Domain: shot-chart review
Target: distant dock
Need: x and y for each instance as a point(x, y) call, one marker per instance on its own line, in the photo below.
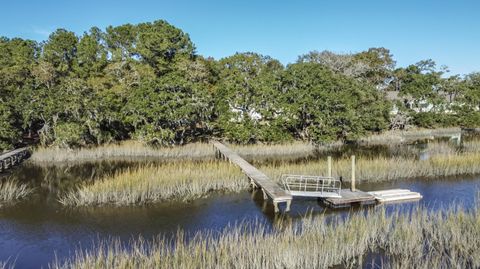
point(14, 157)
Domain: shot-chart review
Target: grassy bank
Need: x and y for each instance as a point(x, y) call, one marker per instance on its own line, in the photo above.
point(195, 151)
point(12, 191)
point(415, 240)
point(190, 180)
point(386, 169)
point(406, 136)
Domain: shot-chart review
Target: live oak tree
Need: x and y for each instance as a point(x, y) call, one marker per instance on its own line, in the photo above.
point(326, 106)
point(249, 103)
point(145, 81)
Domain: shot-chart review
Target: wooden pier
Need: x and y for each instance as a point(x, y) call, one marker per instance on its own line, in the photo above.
point(257, 179)
point(349, 197)
point(326, 188)
point(14, 157)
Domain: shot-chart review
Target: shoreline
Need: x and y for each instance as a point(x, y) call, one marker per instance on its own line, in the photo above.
point(203, 151)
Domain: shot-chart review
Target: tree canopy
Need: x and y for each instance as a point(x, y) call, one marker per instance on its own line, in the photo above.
point(145, 81)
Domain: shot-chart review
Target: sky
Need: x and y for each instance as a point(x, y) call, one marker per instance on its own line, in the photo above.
point(446, 31)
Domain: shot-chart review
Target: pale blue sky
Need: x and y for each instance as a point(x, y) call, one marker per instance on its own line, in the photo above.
point(445, 31)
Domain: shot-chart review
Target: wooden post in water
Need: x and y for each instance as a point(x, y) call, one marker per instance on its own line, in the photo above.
point(353, 174)
point(329, 164)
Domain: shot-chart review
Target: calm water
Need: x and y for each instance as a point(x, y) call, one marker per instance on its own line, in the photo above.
point(34, 231)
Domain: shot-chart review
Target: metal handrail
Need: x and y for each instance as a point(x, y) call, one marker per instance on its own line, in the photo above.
point(304, 184)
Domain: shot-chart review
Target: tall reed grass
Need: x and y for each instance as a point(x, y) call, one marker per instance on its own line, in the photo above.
point(417, 239)
point(472, 145)
point(404, 136)
point(184, 180)
point(196, 151)
point(11, 191)
point(385, 169)
point(124, 150)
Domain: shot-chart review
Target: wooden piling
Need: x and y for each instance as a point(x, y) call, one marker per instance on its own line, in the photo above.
point(329, 164)
point(352, 188)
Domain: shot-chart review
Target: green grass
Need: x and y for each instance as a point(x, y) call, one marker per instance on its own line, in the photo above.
point(414, 240)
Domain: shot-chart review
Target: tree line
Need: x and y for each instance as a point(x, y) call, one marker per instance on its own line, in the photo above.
point(146, 82)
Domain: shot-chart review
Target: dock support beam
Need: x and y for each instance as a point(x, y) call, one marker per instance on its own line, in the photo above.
point(265, 197)
point(353, 174)
point(275, 207)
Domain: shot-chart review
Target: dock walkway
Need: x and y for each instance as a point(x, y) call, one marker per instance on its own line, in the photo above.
point(257, 178)
point(11, 158)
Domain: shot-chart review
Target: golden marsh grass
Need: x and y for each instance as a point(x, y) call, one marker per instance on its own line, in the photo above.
point(11, 191)
point(154, 183)
point(195, 151)
point(404, 136)
point(417, 239)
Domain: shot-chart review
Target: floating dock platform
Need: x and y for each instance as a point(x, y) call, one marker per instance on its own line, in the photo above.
point(396, 195)
point(358, 197)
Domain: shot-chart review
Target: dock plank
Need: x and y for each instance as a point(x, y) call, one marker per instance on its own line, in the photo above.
point(349, 197)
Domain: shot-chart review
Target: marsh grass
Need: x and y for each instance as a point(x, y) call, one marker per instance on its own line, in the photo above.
point(385, 169)
point(292, 150)
point(471, 145)
point(154, 183)
point(190, 180)
point(12, 191)
point(416, 239)
point(131, 150)
point(124, 150)
point(406, 136)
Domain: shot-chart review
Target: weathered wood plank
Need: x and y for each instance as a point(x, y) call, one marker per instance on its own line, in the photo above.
point(271, 189)
point(350, 197)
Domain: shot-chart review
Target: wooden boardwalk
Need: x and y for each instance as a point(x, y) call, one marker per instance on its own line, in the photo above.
point(258, 179)
point(11, 158)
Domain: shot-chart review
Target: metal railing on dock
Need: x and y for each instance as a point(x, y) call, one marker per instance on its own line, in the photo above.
point(312, 186)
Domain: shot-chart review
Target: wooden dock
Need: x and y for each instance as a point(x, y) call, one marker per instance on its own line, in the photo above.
point(350, 197)
point(257, 179)
point(14, 157)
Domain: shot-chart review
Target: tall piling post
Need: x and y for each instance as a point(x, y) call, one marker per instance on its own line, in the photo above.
point(329, 166)
point(353, 174)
